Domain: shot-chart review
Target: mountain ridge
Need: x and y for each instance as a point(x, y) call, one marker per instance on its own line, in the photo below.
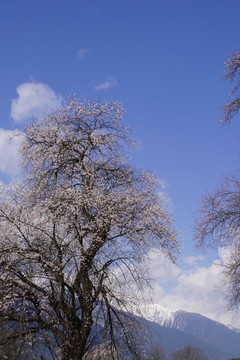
point(217, 340)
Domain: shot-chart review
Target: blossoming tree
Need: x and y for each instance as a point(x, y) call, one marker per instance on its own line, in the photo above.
point(75, 232)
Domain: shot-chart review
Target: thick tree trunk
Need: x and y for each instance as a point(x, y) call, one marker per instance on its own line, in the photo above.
point(83, 287)
point(77, 348)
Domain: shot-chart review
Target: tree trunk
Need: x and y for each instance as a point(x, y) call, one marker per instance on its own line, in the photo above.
point(83, 287)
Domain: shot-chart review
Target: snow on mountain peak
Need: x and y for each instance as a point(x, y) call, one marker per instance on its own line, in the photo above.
point(159, 314)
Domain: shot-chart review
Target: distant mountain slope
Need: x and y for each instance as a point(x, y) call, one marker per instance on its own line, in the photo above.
point(209, 331)
point(176, 329)
point(172, 339)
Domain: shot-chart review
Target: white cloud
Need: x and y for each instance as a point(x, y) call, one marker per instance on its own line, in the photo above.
point(163, 183)
point(33, 99)
point(162, 269)
point(82, 53)
point(198, 289)
point(193, 260)
point(164, 197)
point(106, 85)
point(9, 156)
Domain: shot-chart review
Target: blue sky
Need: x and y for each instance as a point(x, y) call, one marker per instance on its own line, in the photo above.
point(164, 61)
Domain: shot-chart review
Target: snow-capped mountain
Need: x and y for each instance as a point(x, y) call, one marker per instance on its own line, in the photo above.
point(159, 314)
point(185, 328)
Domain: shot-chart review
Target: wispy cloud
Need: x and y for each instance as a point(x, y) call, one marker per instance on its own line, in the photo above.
point(33, 99)
point(82, 53)
point(193, 260)
point(163, 183)
point(106, 85)
point(9, 156)
point(164, 197)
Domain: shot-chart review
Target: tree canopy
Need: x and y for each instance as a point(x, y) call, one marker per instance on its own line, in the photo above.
point(189, 353)
point(75, 232)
